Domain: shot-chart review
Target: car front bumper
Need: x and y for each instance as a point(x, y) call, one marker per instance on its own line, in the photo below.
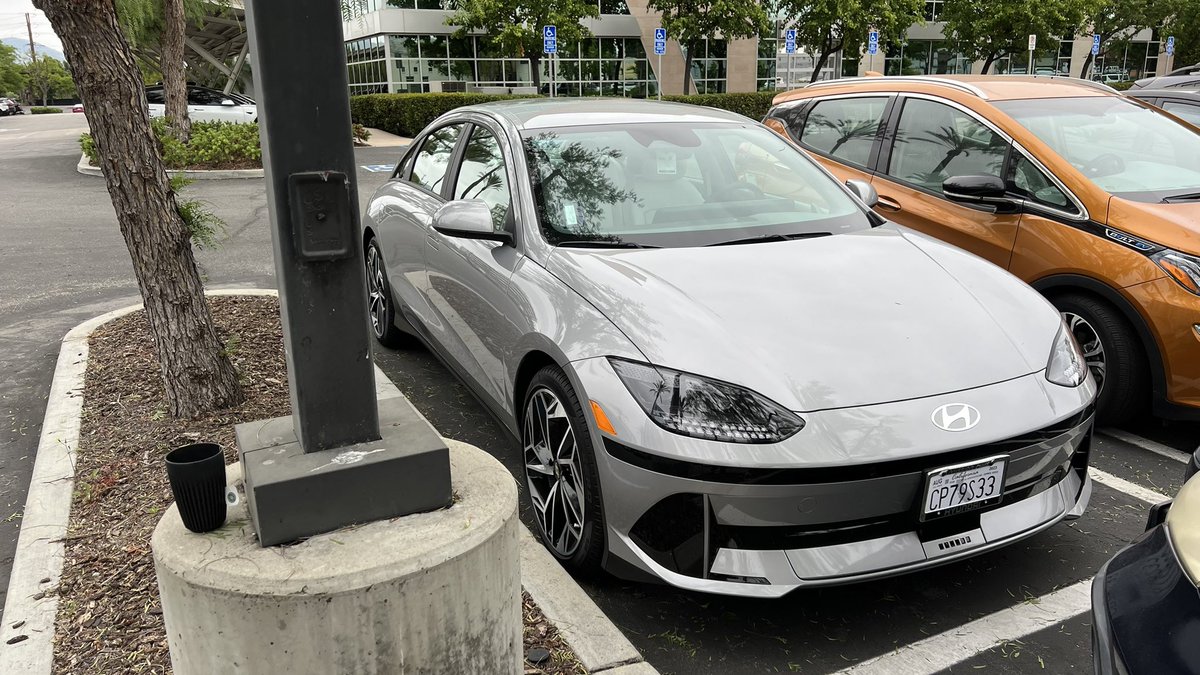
point(774, 522)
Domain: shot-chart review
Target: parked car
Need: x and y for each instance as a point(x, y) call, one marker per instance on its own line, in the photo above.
point(1182, 103)
point(1090, 197)
point(1110, 78)
point(1146, 600)
point(1193, 69)
point(724, 370)
point(206, 105)
point(9, 107)
point(77, 108)
point(1168, 82)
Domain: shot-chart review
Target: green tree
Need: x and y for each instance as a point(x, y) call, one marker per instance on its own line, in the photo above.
point(690, 21)
point(516, 25)
point(49, 79)
point(1184, 24)
point(825, 27)
point(12, 74)
point(1119, 20)
point(984, 30)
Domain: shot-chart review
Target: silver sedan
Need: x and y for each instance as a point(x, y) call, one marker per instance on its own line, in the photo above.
point(724, 370)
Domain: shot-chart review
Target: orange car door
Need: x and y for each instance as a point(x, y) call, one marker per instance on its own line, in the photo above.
point(930, 142)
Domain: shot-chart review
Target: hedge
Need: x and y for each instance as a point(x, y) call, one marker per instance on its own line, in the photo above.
point(44, 110)
point(408, 114)
point(213, 145)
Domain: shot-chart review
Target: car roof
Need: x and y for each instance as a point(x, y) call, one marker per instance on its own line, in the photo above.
point(541, 113)
point(988, 87)
point(1172, 93)
point(1168, 81)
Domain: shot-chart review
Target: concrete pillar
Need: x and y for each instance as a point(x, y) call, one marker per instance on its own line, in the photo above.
point(741, 66)
point(436, 592)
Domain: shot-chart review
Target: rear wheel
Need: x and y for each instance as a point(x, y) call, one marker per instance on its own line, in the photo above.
point(1113, 353)
point(560, 471)
point(380, 306)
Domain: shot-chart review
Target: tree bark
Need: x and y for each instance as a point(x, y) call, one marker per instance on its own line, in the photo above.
point(826, 51)
point(987, 63)
point(687, 68)
point(197, 375)
point(535, 69)
point(1084, 72)
point(174, 77)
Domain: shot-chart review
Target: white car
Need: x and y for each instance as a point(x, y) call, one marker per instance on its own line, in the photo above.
point(207, 105)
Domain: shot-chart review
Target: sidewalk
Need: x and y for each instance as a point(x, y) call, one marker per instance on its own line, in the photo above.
point(382, 139)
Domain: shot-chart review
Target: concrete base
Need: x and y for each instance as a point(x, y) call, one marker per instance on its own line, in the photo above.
point(436, 592)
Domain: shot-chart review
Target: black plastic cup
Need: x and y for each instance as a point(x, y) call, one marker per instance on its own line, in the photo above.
point(197, 476)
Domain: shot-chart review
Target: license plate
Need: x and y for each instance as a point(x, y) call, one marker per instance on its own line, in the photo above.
point(963, 487)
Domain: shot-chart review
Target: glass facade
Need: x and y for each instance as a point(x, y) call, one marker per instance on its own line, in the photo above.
point(357, 8)
point(924, 57)
point(709, 66)
point(1043, 64)
point(1129, 60)
point(933, 9)
point(366, 65)
point(768, 57)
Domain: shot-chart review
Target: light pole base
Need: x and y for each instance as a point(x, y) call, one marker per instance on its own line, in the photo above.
point(435, 592)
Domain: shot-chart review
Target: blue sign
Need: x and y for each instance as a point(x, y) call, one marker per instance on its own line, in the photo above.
point(550, 46)
point(789, 41)
point(873, 42)
point(549, 32)
point(1095, 45)
point(1170, 45)
point(660, 34)
point(660, 41)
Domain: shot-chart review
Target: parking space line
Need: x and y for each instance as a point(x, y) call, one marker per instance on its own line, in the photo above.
point(1132, 489)
point(941, 651)
point(1148, 445)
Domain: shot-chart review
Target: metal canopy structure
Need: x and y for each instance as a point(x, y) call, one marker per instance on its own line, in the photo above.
point(216, 47)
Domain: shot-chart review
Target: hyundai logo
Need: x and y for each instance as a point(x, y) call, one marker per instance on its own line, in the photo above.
point(955, 417)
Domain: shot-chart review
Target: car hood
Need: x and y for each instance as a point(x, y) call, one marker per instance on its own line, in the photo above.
point(846, 320)
point(1175, 226)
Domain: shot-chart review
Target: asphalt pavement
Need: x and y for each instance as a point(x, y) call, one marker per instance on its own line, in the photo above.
point(1020, 609)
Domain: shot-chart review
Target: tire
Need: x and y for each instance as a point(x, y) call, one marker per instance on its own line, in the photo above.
point(551, 399)
point(1114, 354)
point(381, 308)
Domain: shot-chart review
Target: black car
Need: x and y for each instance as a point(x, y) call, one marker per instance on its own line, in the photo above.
point(1182, 103)
point(9, 107)
point(1146, 600)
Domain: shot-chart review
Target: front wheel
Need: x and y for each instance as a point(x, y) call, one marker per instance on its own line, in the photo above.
point(380, 306)
point(1113, 354)
point(560, 472)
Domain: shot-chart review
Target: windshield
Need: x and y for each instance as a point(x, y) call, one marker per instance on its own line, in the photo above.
point(1123, 148)
point(676, 185)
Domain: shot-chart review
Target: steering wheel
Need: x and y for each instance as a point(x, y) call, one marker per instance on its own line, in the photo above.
point(1103, 165)
point(736, 192)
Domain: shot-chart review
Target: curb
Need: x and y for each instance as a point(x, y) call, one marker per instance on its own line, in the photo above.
point(87, 169)
point(30, 607)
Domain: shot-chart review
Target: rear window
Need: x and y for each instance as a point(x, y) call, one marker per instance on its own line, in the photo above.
point(844, 128)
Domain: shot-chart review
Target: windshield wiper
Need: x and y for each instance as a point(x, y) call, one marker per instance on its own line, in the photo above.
point(599, 243)
point(771, 237)
point(1185, 197)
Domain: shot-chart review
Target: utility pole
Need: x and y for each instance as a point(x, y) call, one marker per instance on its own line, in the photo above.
point(32, 51)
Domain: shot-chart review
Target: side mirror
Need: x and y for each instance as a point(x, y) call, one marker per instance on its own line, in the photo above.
point(978, 190)
point(469, 219)
point(864, 191)
point(1193, 466)
point(227, 101)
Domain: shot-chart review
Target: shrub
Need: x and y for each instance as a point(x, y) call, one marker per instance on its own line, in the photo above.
point(1121, 86)
point(408, 114)
point(213, 145)
point(751, 104)
point(44, 110)
point(359, 132)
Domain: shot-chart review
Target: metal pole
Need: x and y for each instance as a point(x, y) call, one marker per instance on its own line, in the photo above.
point(658, 76)
point(308, 160)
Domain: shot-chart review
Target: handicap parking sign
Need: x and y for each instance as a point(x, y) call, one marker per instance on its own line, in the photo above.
point(549, 32)
point(873, 42)
point(789, 41)
point(660, 41)
point(1170, 45)
point(550, 46)
point(1095, 45)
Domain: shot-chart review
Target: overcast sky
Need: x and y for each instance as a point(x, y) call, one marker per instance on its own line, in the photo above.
point(12, 23)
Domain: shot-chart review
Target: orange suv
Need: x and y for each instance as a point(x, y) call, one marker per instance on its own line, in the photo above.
point(1091, 197)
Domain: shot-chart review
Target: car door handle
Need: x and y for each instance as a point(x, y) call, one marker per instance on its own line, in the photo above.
point(888, 203)
point(431, 241)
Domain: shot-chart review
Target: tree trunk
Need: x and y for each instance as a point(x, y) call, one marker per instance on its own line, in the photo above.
point(987, 63)
point(1085, 72)
point(687, 68)
point(535, 68)
point(174, 77)
point(826, 50)
point(196, 373)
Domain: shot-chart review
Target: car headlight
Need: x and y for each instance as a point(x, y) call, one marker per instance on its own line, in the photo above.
point(1181, 267)
point(697, 406)
point(1067, 366)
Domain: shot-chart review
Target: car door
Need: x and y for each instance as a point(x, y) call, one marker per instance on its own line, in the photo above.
point(842, 133)
point(927, 142)
point(469, 280)
point(402, 214)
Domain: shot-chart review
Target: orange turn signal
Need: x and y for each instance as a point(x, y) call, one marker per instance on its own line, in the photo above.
point(602, 420)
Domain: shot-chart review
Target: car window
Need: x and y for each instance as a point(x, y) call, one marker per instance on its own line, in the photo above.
point(1186, 111)
point(935, 141)
point(844, 128)
point(792, 116)
point(201, 96)
point(432, 160)
point(1031, 183)
point(155, 96)
point(482, 176)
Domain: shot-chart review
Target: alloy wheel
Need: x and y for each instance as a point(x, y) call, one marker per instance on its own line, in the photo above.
point(376, 292)
point(1089, 342)
point(553, 472)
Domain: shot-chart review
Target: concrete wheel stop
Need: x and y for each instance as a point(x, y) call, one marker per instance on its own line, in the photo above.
point(434, 592)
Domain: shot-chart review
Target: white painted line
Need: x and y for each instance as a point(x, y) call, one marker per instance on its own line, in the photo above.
point(1132, 489)
point(1148, 445)
point(941, 651)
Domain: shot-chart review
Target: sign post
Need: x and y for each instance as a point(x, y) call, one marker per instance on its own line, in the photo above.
point(1032, 46)
point(789, 45)
point(660, 48)
point(873, 48)
point(1095, 53)
point(550, 47)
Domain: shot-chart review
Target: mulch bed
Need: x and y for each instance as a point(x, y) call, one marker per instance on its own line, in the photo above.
point(109, 617)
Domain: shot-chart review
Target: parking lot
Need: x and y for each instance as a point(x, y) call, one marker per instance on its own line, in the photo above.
point(1021, 609)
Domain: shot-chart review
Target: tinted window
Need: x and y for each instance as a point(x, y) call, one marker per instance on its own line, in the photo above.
point(482, 176)
point(1030, 182)
point(792, 116)
point(935, 142)
point(155, 96)
point(1185, 111)
point(429, 168)
point(201, 96)
point(844, 128)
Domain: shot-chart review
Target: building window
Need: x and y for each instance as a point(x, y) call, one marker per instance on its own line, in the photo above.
point(924, 57)
point(366, 65)
point(768, 58)
point(709, 66)
point(933, 10)
point(613, 7)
